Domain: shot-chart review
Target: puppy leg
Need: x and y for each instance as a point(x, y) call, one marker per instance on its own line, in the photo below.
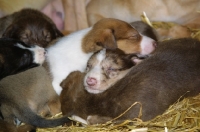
point(7, 114)
point(54, 106)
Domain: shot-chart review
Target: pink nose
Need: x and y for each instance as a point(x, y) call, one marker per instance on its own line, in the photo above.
point(91, 81)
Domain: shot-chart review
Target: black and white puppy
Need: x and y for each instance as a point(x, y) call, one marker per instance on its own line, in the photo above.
point(16, 56)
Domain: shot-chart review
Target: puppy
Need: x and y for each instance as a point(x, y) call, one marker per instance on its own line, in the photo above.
point(24, 100)
point(15, 102)
point(104, 69)
point(30, 26)
point(171, 73)
point(107, 33)
point(15, 57)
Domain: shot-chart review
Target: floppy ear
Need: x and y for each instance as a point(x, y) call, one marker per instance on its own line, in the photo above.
point(107, 39)
point(58, 33)
point(9, 32)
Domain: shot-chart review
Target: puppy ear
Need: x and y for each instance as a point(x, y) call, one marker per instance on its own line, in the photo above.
point(107, 39)
point(57, 32)
point(9, 32)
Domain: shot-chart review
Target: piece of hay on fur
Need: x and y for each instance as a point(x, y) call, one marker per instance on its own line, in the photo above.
point(181, 116)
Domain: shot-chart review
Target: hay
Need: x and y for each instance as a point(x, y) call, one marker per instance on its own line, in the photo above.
point(179, 117)
point(195, 33)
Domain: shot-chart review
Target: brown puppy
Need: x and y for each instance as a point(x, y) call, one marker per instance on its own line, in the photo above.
point(172, 71)
point(30, 26)
point(104, 69)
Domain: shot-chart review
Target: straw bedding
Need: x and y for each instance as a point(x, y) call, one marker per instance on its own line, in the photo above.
point(182, 116)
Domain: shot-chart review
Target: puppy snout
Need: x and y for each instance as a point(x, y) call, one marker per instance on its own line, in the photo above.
point(40, 54)
point(91, 81)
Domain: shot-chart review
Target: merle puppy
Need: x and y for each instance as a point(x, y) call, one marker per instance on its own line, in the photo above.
point(171, 72)
point(30, 26)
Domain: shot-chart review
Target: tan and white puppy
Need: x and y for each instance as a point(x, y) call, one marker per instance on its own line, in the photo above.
point(72, 52)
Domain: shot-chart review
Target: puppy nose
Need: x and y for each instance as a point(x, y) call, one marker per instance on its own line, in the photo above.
point(91, 81)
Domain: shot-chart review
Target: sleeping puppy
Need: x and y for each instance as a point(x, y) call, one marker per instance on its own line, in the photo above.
point(27, 90)
point(30, 26)
point(15, 57)
point(104, 69)
point(15, 102)
point(171, 73)
point(72, 52)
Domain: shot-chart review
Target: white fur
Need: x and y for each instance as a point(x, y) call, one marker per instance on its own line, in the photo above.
point(79, 119)
point(39, 53)
point(146, 47)
point(95, 72)
point(67, 56)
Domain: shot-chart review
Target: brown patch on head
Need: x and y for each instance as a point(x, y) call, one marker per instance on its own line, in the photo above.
point(111, 33)
point(34, 28)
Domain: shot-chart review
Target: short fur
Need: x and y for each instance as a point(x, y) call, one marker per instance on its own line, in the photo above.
point(16, 57)
point(104, 69)
point(107, 33)
point(172, 72)
point(30, 26)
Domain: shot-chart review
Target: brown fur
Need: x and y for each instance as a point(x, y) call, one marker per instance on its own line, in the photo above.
point(9, 127)
point(30, 26)
point(112, 33)
point(30, 87)
point(172, 71)
point(114, 66)
point(101, 74)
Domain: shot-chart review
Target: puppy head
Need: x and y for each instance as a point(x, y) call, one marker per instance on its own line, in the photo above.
point(105, 68)
point(36, 29)
point(113, 33)
point(15, 57)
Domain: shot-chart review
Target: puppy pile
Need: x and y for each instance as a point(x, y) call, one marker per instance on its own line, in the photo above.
point(92, 75)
